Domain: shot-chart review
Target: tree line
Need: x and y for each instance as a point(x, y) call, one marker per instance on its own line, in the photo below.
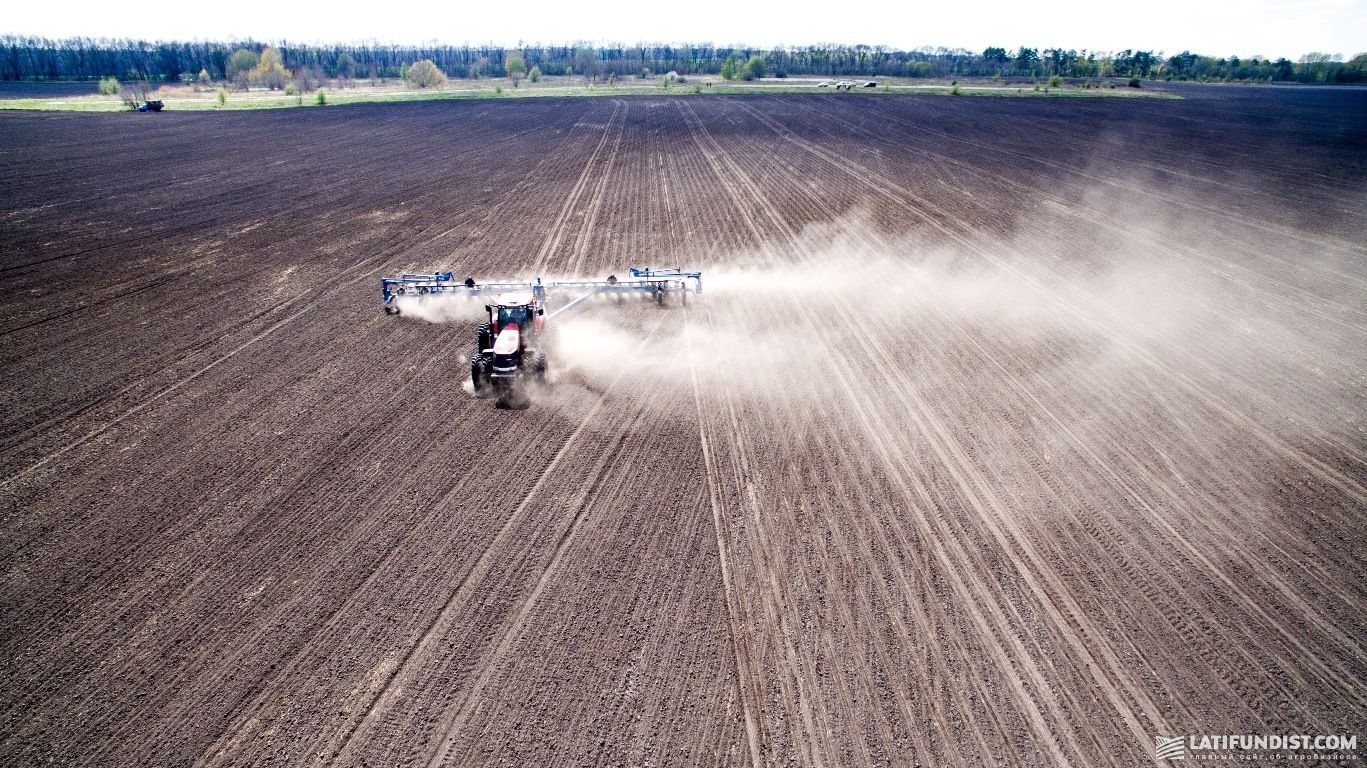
point(37, 58)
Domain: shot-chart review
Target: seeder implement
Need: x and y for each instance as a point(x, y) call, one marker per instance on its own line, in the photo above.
point(508, 344)
point(654, 283)
point(442, 284)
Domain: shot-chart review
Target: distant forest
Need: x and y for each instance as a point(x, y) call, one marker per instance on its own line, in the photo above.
point(33, 58)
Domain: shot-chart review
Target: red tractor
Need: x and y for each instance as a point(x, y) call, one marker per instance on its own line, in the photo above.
point(508, 346)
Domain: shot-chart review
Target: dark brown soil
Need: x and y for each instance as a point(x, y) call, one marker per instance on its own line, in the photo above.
point(1008, 432)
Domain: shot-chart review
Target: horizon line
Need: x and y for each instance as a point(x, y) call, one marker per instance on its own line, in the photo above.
point(522, 45)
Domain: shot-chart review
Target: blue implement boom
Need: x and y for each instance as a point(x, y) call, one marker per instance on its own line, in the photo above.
point(655, 283)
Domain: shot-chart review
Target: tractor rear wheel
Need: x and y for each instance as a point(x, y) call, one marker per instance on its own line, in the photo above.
point(539, 368)
point(479, 374)
point(484, 337)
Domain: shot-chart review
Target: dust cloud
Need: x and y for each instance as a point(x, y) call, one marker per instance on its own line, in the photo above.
point(440, 309)
point(1081, 313)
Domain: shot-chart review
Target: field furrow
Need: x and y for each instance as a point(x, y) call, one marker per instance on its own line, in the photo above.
point(1004, 432)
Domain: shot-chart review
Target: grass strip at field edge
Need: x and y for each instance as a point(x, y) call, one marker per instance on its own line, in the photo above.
point(341, 98)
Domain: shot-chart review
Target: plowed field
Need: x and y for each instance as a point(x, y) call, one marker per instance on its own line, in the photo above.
point(1006, 432)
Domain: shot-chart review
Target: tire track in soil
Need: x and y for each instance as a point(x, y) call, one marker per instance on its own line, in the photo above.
point(220, 751)
point(937, 218)
point(725, 176)
point(590, 217)
point(757, 238)
point(1125, 489)
point(204, 343)
point(1274, 288)
point(1203, 560)
point(561, 223)
point(1203, 209)
point(399, 245)
point(851, 544)
point(172, 388)
point(871, 542)
point(609, 460)
point(974, 490)
point(796, 685)
point(746, 688)
point(440, 624)
point(403, 244)
point(1267, 620)
point(864, 176)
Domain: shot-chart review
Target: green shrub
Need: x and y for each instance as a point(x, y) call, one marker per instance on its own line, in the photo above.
point(289, 89)
point(269, 70)
point(109, 86)
point(535, 74)
point(1055, 81)
point(240, 63)
point(754, 68)
point(514, 66)
point(954, 90)
point(321, 98)
point(222, 96)
point(425, 74)
point(1134, 82)
point(498, 90)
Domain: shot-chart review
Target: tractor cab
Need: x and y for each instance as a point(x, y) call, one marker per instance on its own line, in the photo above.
point(521, 310)
point(517, 315)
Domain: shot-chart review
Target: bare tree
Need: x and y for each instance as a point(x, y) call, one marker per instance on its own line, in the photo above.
point(586, 62)
point(136, 93)
point(308, 79)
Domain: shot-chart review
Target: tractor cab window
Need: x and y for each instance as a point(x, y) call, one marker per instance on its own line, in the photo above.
point(516, 315)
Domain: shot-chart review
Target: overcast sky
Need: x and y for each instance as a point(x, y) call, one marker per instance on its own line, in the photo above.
point(1221, 27)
